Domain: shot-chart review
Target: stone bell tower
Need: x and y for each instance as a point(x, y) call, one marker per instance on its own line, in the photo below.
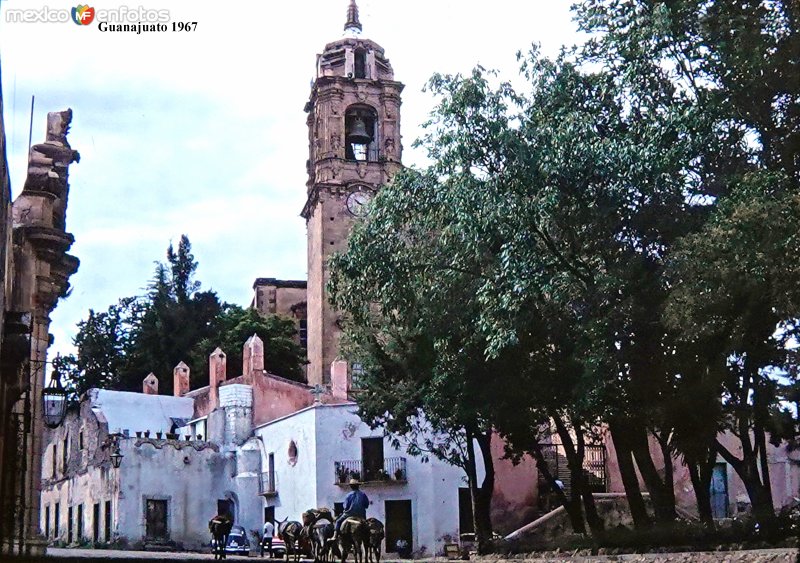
point(354, 148)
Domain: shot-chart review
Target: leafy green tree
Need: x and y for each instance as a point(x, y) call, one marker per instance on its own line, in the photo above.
point(102, 343)
point(577, 208)
point(176, 316)
point(730, 284)
point(423, 374)
point(283, 356)
point(175, 321)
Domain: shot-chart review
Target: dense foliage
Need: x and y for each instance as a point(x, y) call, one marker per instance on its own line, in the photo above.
point(615, 248)
point(175, 321)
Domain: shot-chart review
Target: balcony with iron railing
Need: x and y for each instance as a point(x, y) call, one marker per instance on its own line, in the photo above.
point(594, 465)
point(392, 471)
point(267, 484)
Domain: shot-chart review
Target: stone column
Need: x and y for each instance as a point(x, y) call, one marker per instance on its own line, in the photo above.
point(35, 543)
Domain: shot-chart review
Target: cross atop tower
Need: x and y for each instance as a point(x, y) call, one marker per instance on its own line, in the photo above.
point(352, 24)
point(318, 391)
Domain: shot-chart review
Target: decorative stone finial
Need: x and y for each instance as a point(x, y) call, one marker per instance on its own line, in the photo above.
point(180, 379)
point(352, 23)
point(150, 384)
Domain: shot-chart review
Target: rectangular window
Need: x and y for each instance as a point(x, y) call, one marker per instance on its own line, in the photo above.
point(303, 333)
point(69, 525)
point(80, 440)
point(360, 64)
point(47, 521)
point(356, 373)
point(271, 475)
point(64, 455)
point(80, 522)
point(108, 521)
point(55, 460)
point(96, 522)
point(372, 459)
point(56, 518)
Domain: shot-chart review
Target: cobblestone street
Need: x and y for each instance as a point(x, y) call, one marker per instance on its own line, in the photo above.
point(784, 555)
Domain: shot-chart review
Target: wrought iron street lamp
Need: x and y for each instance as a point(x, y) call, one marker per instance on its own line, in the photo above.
point(54, 401)
point(116, 454)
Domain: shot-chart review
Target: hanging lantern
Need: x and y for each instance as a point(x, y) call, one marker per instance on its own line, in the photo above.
point(116, 455)
point(54, 402)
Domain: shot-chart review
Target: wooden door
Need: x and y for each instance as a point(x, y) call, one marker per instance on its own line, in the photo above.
point(465, 522)
point(372, 458)
point(398, 524)
point(719, 491)
point(156, 520)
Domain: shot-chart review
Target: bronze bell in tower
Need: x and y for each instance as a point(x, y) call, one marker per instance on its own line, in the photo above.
point(358, 133)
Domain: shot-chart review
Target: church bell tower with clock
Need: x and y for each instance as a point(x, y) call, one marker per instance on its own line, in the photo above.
point(354, 148)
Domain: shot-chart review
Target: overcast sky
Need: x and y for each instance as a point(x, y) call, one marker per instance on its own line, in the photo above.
point(204, 132)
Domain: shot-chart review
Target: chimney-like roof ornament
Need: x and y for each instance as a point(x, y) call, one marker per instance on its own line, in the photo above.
point(352, 24)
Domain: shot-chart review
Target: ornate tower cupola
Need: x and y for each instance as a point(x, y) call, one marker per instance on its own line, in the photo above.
point(354, 149)
point(352, 25)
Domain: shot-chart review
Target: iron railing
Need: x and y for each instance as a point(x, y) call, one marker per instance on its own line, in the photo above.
point(267, 484)
point(393, 470)
point(594, 466)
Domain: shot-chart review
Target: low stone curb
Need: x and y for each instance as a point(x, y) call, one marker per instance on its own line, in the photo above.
point(779, 555)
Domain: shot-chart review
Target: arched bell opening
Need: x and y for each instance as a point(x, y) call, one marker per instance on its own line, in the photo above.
point(361, 133)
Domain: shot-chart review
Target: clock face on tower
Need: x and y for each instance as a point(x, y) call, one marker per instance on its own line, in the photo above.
point(358, 203)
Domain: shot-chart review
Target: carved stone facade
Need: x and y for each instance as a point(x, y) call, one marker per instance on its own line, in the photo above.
point(36, 270)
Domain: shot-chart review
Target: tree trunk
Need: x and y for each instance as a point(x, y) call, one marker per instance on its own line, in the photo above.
point(480, 496)
point(628, 474)
point(592, 518)
point(663, 502)
point(669, 483)
point(702, 494)
point(761, 444)
point(580, 495)
point(575, 513)
point(747, 471)
point(486, 490)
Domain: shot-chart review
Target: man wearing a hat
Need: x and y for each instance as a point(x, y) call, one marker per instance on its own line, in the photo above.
point(355, 504)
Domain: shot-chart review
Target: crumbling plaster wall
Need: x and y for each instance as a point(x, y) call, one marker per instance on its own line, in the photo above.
point(191, 476)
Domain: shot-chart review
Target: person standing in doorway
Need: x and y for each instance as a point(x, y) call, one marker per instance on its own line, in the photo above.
point(266, 538)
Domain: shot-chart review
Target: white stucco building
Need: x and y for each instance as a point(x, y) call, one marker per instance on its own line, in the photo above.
point(166, 488)
point(311, 455)
point(257, 446)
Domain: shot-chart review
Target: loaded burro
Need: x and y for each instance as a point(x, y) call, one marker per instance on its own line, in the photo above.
point(321, 534)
